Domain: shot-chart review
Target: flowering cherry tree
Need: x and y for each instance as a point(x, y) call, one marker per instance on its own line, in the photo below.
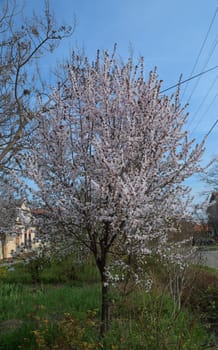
point(109, 158)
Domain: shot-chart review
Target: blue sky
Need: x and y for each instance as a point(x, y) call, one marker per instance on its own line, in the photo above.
point(167, 33)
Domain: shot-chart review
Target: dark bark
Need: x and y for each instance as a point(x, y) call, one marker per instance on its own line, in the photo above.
point(101, 263)
point(3, 243)
point(104, 309)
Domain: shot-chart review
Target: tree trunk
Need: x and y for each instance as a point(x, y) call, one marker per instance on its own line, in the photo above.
point(3, 244)
point(104, 308)
point(101, 263)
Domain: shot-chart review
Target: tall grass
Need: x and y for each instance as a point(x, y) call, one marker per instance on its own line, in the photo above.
point(26, 305)
point(16, 301)
point(139, 321)
point(65, 271)
point(66, 316)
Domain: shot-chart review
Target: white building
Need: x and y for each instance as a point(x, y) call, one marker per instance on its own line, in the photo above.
point(22, 237)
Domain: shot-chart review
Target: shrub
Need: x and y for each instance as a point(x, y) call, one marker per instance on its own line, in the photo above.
point(203, 296)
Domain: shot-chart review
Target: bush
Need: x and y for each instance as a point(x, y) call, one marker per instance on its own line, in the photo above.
point(17, 273)
point(202, 298)
point(68, 270)
point(147, 321)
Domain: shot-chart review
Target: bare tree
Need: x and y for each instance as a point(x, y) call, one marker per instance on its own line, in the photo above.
point(109, 158)
point(22, 41)
point(9, 202)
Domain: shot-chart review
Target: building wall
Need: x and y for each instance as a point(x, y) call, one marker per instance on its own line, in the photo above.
point(24, 237)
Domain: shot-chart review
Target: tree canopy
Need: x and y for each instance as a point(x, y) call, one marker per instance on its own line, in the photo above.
point(109, 158)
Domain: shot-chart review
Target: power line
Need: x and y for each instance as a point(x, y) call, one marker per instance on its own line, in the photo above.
point(205, 113)
point(191, 120)
point(186, 80)
point(201, 48)
point(211, 129)
point(204, 66)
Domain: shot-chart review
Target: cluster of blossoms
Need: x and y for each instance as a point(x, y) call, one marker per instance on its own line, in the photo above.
point(180, 254)
point(121, 272)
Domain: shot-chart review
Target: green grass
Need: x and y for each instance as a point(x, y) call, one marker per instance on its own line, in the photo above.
point(139, 321)
point(15, 274)
point(65, 271)
point(16, 301)
point(64, 313)
point(68, 271)
point(25, 304)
